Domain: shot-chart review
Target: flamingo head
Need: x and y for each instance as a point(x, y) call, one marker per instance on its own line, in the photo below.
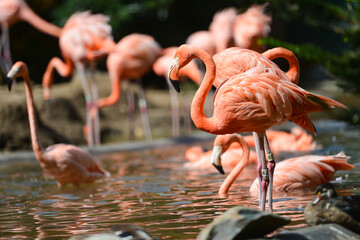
point(216, 158)
point(19, 69)
point(324, 191)
point(183, 55)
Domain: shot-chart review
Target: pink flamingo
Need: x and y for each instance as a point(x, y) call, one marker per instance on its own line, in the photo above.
point(250, 102)
point(250, 26)
point(132, 58)
point(84, 39)
point(221, 28)
point(12, 11)
point(280, 141)
point(202, 39)
point(66, 163)
point(231, 149)
point(305, 172)
point(190, 71)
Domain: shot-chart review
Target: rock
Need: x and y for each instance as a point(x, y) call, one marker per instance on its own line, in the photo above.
point(326, 231)
point(242, 223)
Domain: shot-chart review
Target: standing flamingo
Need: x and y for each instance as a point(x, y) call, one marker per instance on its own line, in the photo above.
point(132, 58)
point(202, 39)
point(190, 71)
point(221, 28)
point(249, 102)
point(12, 11)
point(66, 163)
point(84, 39)
point(250, 26)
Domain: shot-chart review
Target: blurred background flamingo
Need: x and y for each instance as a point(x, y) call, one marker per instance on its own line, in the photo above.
point(12, 11)
point(190, 71)
point(66, 163)
point(84, 39)
point(131, 59)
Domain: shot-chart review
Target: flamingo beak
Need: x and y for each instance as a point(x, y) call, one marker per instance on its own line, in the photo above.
point(11, 75)
point(317, 198)
point(173, 74)
point(216, 158)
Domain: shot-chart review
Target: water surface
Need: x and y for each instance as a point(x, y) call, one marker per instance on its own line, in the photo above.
point(150, 188)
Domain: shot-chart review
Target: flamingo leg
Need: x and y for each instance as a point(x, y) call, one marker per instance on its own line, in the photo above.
point(174, 110)
point(263, 172)
point(271, 166)
point(6, 63)
point(143, 111)
point(95, 110)
point(88, 102)
point(131, 109)
point(187, 118)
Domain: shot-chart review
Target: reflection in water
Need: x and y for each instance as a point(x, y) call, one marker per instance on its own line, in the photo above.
point(149, 188)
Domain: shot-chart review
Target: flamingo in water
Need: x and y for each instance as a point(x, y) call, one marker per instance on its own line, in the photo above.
point(132, 58)
point(12, 11)
point(66, 163)
point(84, 39)
point(295, 174)
point(249, 102)
point(190, 71)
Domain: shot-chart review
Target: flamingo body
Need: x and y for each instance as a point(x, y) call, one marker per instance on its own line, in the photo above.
point(66, 163)
point(305, 172)
point(203, 40)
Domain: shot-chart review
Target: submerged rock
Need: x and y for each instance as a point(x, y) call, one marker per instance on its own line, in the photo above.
point(242, 223)
point(325, 231)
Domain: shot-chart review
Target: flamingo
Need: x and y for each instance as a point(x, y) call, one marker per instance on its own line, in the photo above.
point(191, 71)
point(84, 39)
point(232, 151)
point(251, 25)
point(12, 11)
point(132, 58)
point(249, 102)
point(305, 172)
point(235, 60)
point(66, 163)
point(202, 39)
point(221, 28)
point(280, 141)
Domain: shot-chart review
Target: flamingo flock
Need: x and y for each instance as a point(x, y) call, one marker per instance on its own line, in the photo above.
point(252, 95)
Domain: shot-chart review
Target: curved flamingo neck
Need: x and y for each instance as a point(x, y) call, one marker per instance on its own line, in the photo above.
point(230, 179)
point(115, 78)
point(294, 68)
point(201, 121)
point(35, 140)
point(29, 16)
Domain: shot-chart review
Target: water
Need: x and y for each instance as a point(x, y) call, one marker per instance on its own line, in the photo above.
point(149, 188)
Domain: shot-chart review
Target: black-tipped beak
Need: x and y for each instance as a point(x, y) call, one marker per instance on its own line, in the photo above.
point(175, 84)
point(9, 83)
point(219, 168)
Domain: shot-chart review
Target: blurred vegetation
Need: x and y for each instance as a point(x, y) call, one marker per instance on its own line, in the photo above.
point(320, 32)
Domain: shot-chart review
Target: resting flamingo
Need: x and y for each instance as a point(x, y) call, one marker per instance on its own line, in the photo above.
point(132, 58)
point(249, 102)
point(294, 174)
point(84, 39)
point(280, 141)
point(12, 11)
point(305, 173)
point(66, 163)
point(251, 25)
point(192, 72)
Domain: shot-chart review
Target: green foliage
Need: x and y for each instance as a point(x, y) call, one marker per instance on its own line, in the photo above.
point(342, 19)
